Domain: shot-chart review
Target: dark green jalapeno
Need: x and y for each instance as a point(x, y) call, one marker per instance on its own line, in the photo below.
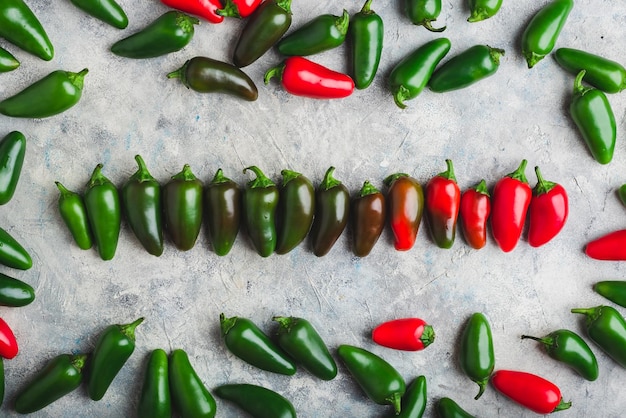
point(300, 340)
point(74, 215)
point(366, 33)
point(380, 381)
point(12, 151)
point(260, 203)
point(567, 347)
point(613, 290)
point(155, 400)
point(108, 11)
point(12, 254)
point(7, 61)
point(103, 206)
point(141, 202)
point(447, 408)
point(182, 205)
point(469, 67)
point(262, 31)
point(245, 340)
point(206, 75)
point(483, 9)
point(113, 348)
point(592, 113)
point(409, 77)
point(49, 96)
point(170, 32)
point(602, 73)
point(320, 34)
point(607, 328)
point(20, 26)
point(62, 375)
point(332, 208)
point(222, 200)
point(296, 207)
point(423, 13)
point(190, 398)
point(369, 214)
point(258, 401)
point(543, 30)
point(414, 400)
point(477, 357)
point(15, 293)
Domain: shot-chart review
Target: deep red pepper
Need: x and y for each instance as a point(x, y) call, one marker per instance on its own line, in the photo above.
point(302, 77)
point(238, 8)
point(206, 9)
point(408, 334)
point(8, 343)
point(474, 213)
point(443, 198)
point(511, 197)
point(529, 390)
point(611, 247)
point(548, 211)
point(405, 199)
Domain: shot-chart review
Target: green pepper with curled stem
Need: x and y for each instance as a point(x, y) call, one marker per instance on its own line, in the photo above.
point(477, 357)
point(20, 26)
point(470, 66)
point(258, 401)
point(414, 400)
point(483, 9)
point(613, 290)
point(7, 61)
point(104, 212)
point(260, 203)
point(12, 253)
point(369, 214)
point(447, 408)
point(222, 202)
point(12, 152)
point(607, 328)
point(182, 207)
point(190, 397)
point(296, 207)
point(14, 292)
point(423, 13)
point(365, 34)
point(74, 214)
point(108, 11)
point(332, 208)
point(602, 73)
point(320, 34)
point(155, 400)
point(541, 33)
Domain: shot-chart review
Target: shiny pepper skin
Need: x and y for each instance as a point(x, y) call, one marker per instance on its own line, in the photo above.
point(369, 213)
point(12, 152)
point(14, 292)
point(366, 33)
point(530, 391)
point(447, 408)
point(602, 73)
point(414, 400)
point(12, 254)
point(320, 34)
point(548, 211)
point(611, 246)
point(104, 211)
point(296, 208)
point(260, 204)
point(543, 30)
point(408, 334)
point(477, 356)
point(155, 399)
point(483, 9)
point(74, 214)
point(443, 198)
point(405, 200)
point(607, 328)
point(222, 202)
point(423, 13)
point(474, 214)
point(190, 397)
point(8, 343)
point(257, 401)
point(108, 11)
point(7, 61)
point(182, 207)
point(613, 290)
point(206, 9)
point(20, 26)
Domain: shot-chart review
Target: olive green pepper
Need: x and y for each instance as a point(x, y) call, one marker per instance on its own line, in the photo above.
point(447, 408)
point(14, 292)
point(155, 400)
point(12, 253)
point(613, 290)
point(332, 208)
point(296, 207)
point(423, 13)
point(483, 9)
point(7, 61)
point(366, 34)
point(414, 400)
point(607, 328)
point(369, 214)
point(108, 11)
point(543, 30)
point(191, 399)
point(469, 67)
point(182, 206)
point(602, 73)
point(477, 357)
point(20, 26)
point(74, 215)
point(103, 206)
point(12, 151)
point(258, 401)
point(260, 203)
point(222, 200)
point(320, 34)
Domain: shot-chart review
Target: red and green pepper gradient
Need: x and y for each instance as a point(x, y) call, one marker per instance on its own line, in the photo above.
point(548, 211)
point(530, 391)
point(608, 247)
point(20, 26)
point(369, 214)
point(258, 401)
point(613, 290)
point(474, 212)
point(607, 328)
point(206, 9)
point(8, 343)
point(541, 33)
point(443, 198)
point(405, 199)
point(407, 334)
point(477, 358)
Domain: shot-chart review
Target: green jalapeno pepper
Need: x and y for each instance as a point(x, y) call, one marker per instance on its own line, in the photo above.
point(191, 399)
point(170, 32)
point(423, 13)
point(113, 348)
point(477, 357)
point(607, 328)
point(567, 347)
point(246, 340)
point(592, 113)
point(296, 207)
point(300, 340)
point(222, 200)
point(155, 400)
point(108, 11)
point(469, 67)
point(369, 214)
point(260, 202)
point(409, 77)
point(49, 96)
point(12, 151)
point(206, 75)
point(602, 73)
point(483, 9)
point(12, 254)
point(141, 201)
point(258, 401)
point(103, 206)
point(414, 400)
point(182, 205)
point(14, 292)
point(332, 208)
point(366, 33)
point(264, 28)
point(62, 375)
point(380, 381)
point(320, 34)
point(7, 61)
point(74, 215)
point(543, 30)
point(613, 290)
point(447, 408)
point(20, 26)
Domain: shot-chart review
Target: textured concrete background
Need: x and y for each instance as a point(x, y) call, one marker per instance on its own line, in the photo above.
point(129, 107)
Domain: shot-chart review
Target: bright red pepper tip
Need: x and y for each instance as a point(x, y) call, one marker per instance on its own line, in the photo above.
point(610, 247)
point(8, 343)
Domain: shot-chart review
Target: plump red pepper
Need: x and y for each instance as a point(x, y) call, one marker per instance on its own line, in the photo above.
point(206, 9)
point(443, 198)
point(474, 213)
point(302, 77)
point(511, 198)
point(238, 8)
point(611, 247)
point(408, 334)
point(405, 200)
point(8, 343)
point(529, 390)
point(548, 211)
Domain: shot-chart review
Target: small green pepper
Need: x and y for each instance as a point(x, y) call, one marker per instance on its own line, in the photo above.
point(108, 11)
point(423, 13)
point(543, 30)
point(260, 203)
point(12, 253)
point(258, 401)
point(14, 292)
point(222, 201)
point(191, 399)
point(369, 214)
point(155, 400)
point(182, 206)
point(477, 357)
point(483, 9)
point(296, 207)
point(7, 61)
point(414, 400)
point(12, 151)
point(103, 206)
point(607, 328)
point(447, 408)
point(602, 73)
point(74, 214)
point(320, 34)
point(366, 33)
point(20, 26)
point(613, 290)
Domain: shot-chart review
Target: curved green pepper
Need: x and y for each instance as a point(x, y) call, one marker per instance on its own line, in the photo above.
point(155, 400)
point(141, 202)
point(320, 34)
point(182, 206)
point(423, 13)
point(170, 32)
point(613, 290)
point(74, 214)
point(49, 96)
point(246, 341)
point(62, 375)
point(113, 348)
point(567, 347)
point(7, 61)
point(447, 408)
point(366, 32)
point(258, 401)
point(414, 400)
point(543, 30)
point(12, 254)
point(468, 67)
point(602, 73)
point(20, 26)
point(15, 293)
point(369, 214)
point(103, 206)
point(107, 11)
point(483, 9)
point(607, 328)
point(296, 207)
point(477, 357)
point(12, 151)
point(592, 113)
point(222, 200)
point(190, 397)
point(260, 203)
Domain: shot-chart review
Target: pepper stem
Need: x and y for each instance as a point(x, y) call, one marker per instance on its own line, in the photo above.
point(342, 22)
point(284, 321)
point(368, 189)
point(289, 175)
point(367, 7)
point(219, 177)
point(578, 84)
point(393, 177)
point(329, 181)
point(97, 178)
point(64, 190)
point(543, 185)
point(177, 73)
point(482, 385)
point(400, 96)
point(186, 174)
point(226, 323)
point(428, 25)
point(79, 361)
point(428, 335)
point(261, 179)
point(495, 54)
point(142, 173)
point(274, 72)
point(562, 406)
point(449, 173)
point(77, 79)
point(186, 22)
point(482, 188)
point(230, 9)
point(591, 313)
point(284, 4)
point(520, 174)
point(129, 329)
point(395, 401)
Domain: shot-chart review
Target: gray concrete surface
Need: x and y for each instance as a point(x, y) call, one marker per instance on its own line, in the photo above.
point(129, 107)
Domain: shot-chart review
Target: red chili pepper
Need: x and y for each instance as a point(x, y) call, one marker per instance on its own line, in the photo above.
point(206, 9)
point(302, 77)
point(238, 8)
point(548, 211)
point(611, 246)
point(511, 197)
point(474, 213)
point(8, 343)
point(405, 200)
point(408, 334)
point(443, 198)
point(530, 391)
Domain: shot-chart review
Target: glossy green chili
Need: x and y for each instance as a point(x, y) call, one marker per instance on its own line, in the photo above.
point(258, 401)
point(260, 203)
point(369, 215)
point(483, 9)
point(104, 212)
point(182, 206)
point(541, 33)
point(155, 400)
point(365, 34)
point(414, 400)
point(602, 73)
point(20, 26)
point(613, 290)
point(49, 96)
point(296, 207)
point(469, 67)
point(447, 408)
point(190, 398)
point(477, 357)
point(7, 61)
point(113, 348)
point(74, 215)
point(567, 347)
point(607, 328)
point(222, 202)
point(142, 205)
point(12, 152)
point(15, 293)
point(423, 13)
point(61, 375)
point(12, 253)
point(170, 32)
point(108, 11)
point(320, 34)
